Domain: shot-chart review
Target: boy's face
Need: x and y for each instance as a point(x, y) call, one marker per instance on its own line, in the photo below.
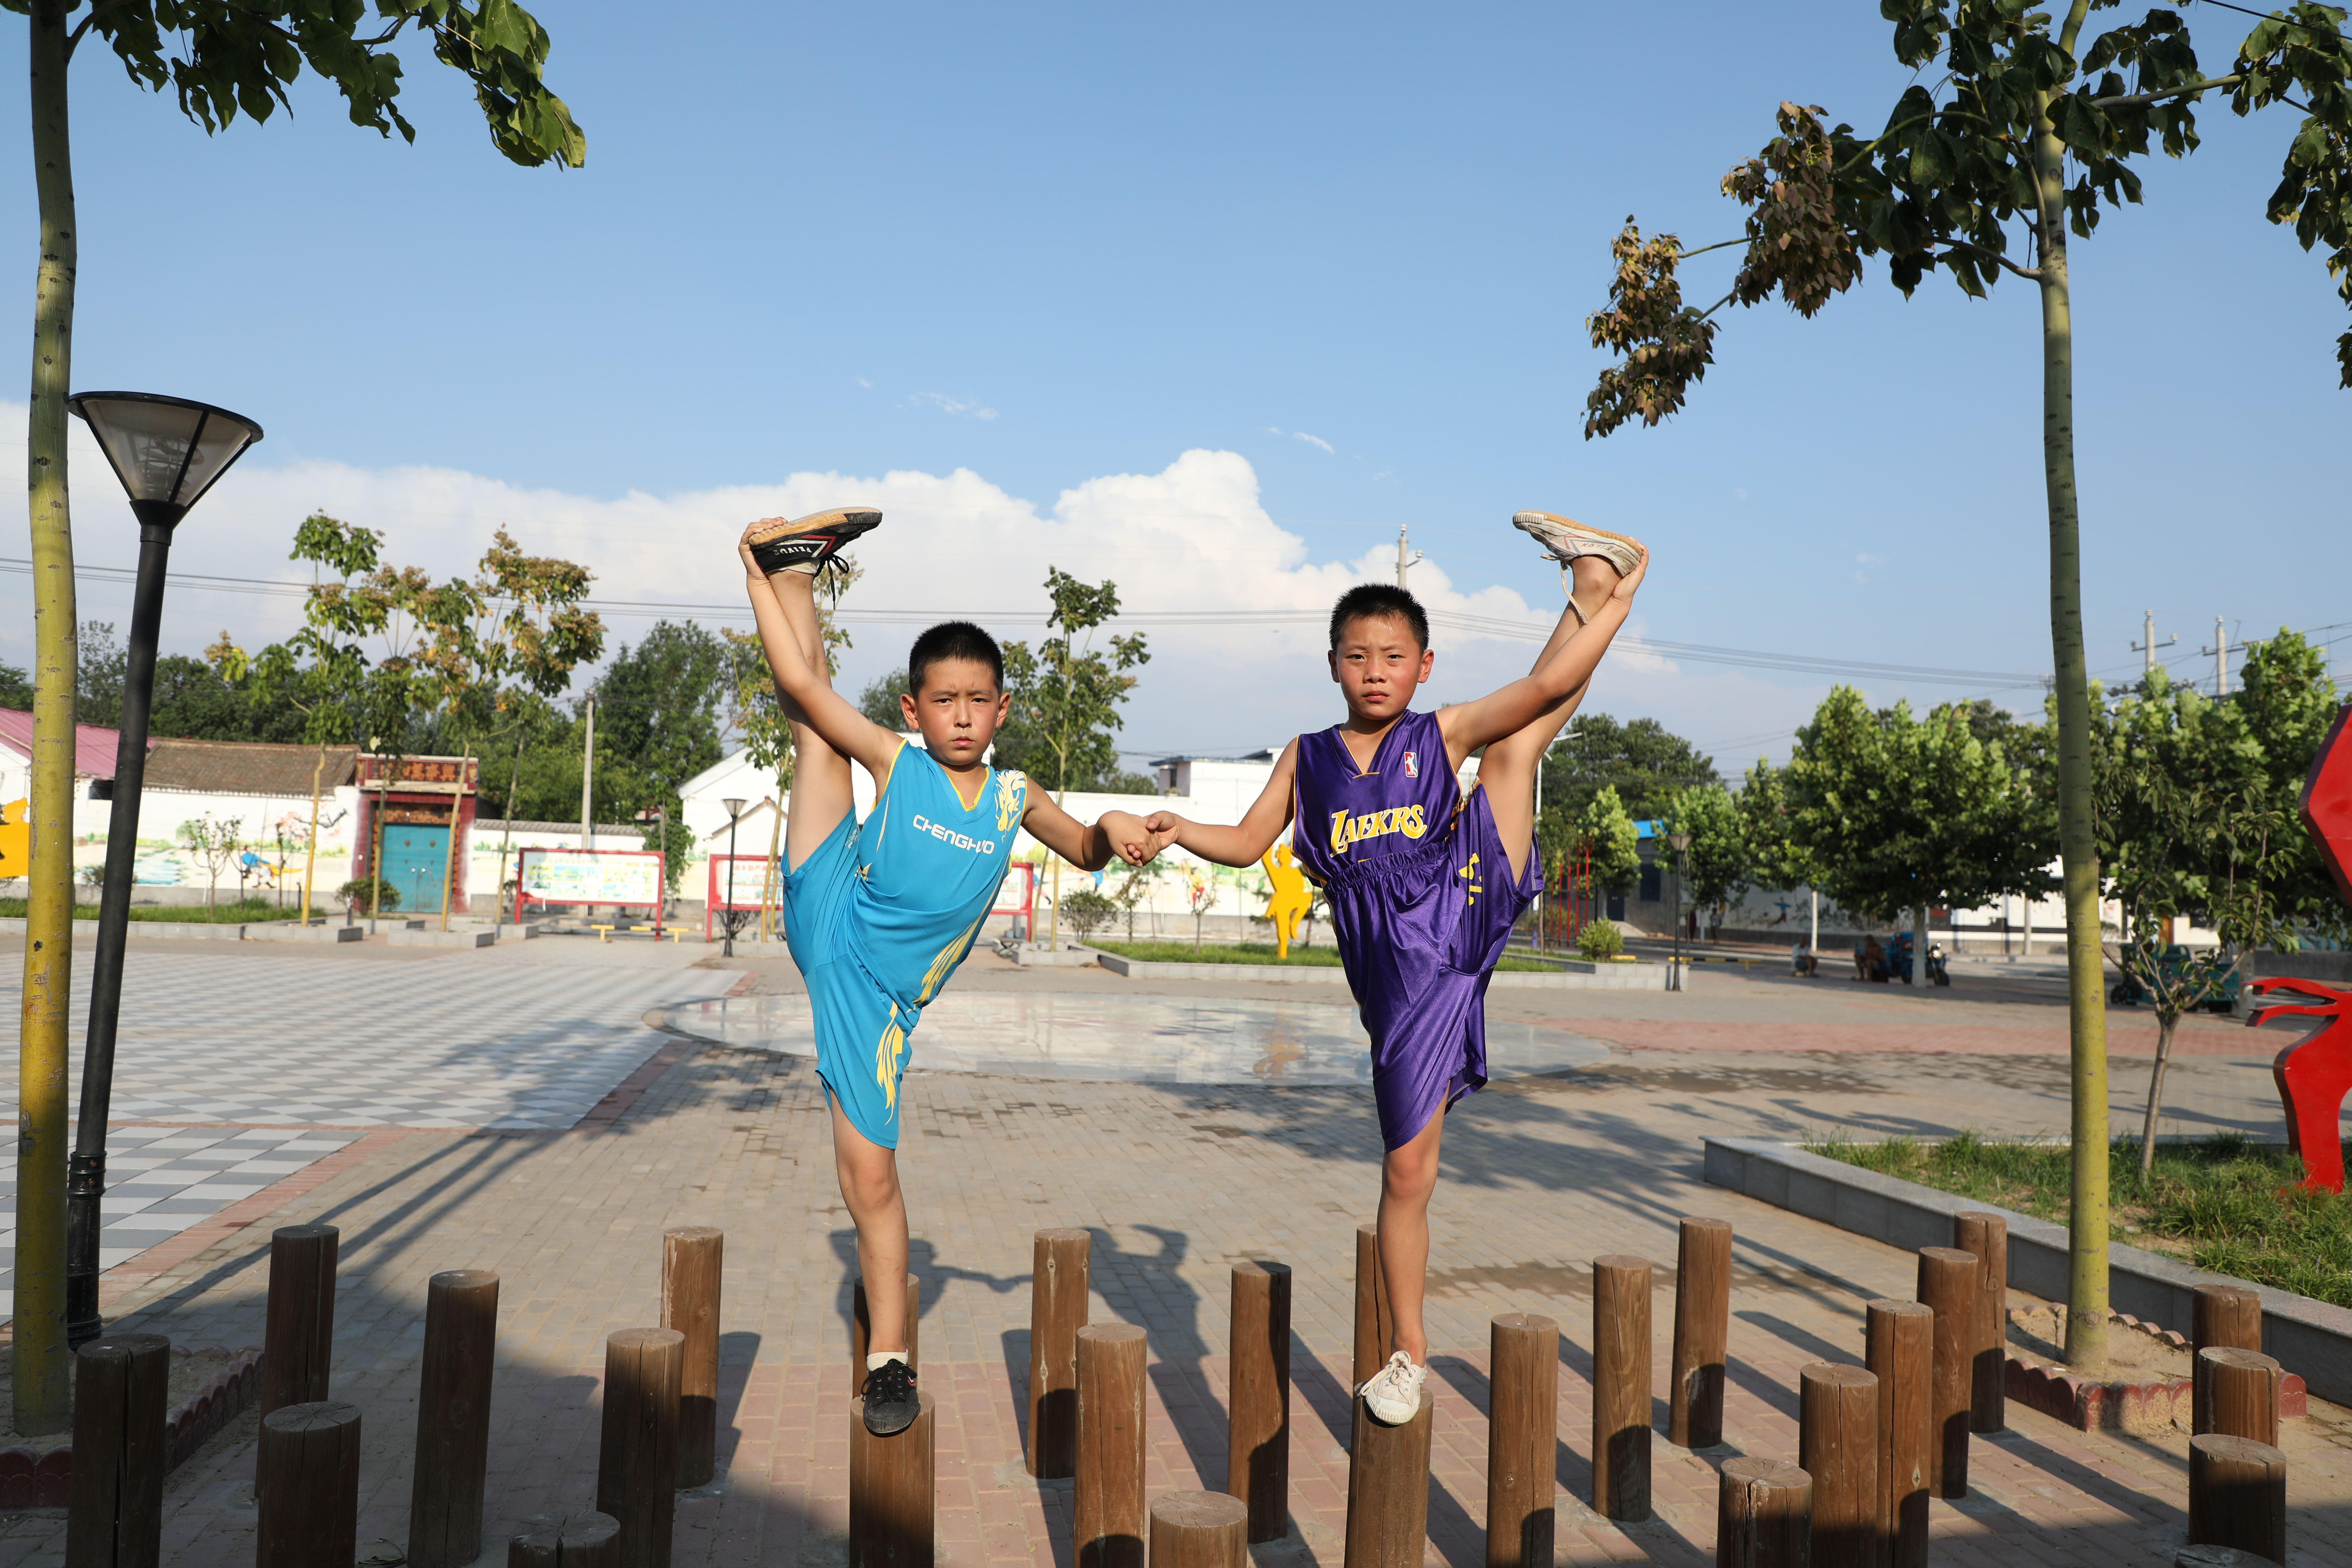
point(957, 711)
point(1377, 665)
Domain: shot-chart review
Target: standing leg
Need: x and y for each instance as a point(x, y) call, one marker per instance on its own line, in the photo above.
point(1507, 771)
point(821, 787)
point(869, 1185)
point(1407, 1177)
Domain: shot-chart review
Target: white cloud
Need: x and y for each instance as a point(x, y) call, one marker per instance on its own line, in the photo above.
point(946, 405)
point(1299, 436)
point(1193, 539)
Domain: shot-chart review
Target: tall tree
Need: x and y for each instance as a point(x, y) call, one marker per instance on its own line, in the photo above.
point(1976, 152)
point(2184, 832)
point(659, 704)
point(1722, 865)
point(221, 56)
point(1894, 814)
point(1066, 693)
point(1605, 824)
point(1066, 700)
point(1644, 760)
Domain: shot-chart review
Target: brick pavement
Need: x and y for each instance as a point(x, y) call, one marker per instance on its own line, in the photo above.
point(1176, 1182)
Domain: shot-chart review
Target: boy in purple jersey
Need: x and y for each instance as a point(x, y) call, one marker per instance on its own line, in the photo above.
point(1423, 880)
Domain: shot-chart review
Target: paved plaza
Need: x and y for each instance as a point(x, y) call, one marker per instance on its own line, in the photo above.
point(1176, 1180)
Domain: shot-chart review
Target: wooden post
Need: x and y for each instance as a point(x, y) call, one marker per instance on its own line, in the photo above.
point(636, 1467)
point(1107, 1506)
point(1522, 1439)
point(298, 1341)
point(893, 1490)
point(1986, 1237)
point(1200, 1530)
point(2241, 1390)
point(1620, 1386)
point(1702, 1332)
point(114, 1496)
point(1388, 1489)
point(453, 1418)
point(1837, 1444)
point(1947, 1284)
point(1900, 1337)
point(575, 1538)
point(1057, 1311)
point(2229, 1316)
point(2237, 1495)
point(1257, 1438)
point(693, 1256)
point(1763, 1515)
point(2222, 1317)
point(1375, 1328)
point(306, 1481)
point(861, 1330)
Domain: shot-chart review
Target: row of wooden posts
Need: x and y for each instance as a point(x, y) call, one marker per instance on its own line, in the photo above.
point(1875, 1441)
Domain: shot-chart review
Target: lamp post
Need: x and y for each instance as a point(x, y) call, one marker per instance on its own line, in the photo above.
point(167, 451)
point(727, 921)
point(1680, 844)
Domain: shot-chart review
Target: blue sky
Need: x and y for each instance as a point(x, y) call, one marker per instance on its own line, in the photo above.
point(1006, 267)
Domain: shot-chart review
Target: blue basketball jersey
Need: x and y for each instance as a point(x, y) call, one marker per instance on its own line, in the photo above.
point(928, 868)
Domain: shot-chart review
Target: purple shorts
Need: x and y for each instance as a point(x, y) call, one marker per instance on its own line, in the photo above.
point(1420, 933)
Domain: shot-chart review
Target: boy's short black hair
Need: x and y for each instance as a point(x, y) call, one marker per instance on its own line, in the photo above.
point(1380, 599)
point(953, 639)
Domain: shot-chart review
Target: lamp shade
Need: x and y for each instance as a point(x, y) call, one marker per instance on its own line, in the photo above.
point(734, 806)
point(1681, 841)
point(167, 451)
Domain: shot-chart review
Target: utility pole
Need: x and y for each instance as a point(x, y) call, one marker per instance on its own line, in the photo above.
point(1406, 557)
point(2150, 645)
point(588, 777)
point(2220, 652)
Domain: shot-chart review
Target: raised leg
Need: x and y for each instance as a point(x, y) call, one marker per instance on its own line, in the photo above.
point(1507, 771)
point(821, 786)
point(1408, 1176)
point(869, 1185)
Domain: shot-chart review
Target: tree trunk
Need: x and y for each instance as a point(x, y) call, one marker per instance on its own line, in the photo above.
point(2166, 1020)
point(2086, 1274)
point(450, 860)
point(1919, 946)
point(43, 1368)
point(310, 859)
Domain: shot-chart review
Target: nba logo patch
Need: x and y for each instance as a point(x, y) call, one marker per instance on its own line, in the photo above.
point(1412, 765)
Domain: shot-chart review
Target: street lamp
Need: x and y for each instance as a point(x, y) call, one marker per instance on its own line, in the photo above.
point(1680, 844)
point(167, 451)
point(726, 919)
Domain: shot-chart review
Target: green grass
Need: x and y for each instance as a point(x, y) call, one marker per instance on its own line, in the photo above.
point(1253, 953)
point(230, 911)
point(2216, 1204)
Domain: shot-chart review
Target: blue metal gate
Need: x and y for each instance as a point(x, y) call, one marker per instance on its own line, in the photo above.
point(415, 858)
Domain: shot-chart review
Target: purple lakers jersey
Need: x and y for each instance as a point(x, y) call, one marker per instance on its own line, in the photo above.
point(1423, 900)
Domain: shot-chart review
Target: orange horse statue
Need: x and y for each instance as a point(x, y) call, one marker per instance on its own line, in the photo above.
point(2314, 1074)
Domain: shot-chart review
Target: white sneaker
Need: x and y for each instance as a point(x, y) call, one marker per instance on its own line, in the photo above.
point(1393, 1393)
point(1567, 539)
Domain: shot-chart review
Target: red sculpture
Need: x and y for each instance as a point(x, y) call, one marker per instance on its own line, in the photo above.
point(2313, 1076)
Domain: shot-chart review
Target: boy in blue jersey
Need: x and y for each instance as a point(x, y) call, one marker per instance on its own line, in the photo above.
point(1423, 880)
point(879, 914)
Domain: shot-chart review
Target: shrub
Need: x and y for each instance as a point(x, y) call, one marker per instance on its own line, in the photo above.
point(353, 895)
point(1600, 940)
point(1086, 911)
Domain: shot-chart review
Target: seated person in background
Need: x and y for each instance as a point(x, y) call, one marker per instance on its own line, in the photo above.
point(1870, 960)
point(1802, 960)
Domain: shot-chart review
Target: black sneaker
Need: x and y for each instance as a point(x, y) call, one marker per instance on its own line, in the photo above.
point(810, 541)
point(890, 1403)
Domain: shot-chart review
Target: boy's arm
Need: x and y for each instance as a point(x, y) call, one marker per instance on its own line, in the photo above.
point(1467, 726)
point(1089, 848)
point(840, 725)
point(1238, 846)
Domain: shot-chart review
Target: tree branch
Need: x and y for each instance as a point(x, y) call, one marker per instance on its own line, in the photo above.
point(2135, 101)
point(2030, 274)
point(1718, 244)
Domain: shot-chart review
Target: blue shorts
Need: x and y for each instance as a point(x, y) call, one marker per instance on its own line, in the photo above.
point(861, 1033)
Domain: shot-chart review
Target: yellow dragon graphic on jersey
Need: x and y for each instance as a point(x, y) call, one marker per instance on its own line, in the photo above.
point(1011, 799)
